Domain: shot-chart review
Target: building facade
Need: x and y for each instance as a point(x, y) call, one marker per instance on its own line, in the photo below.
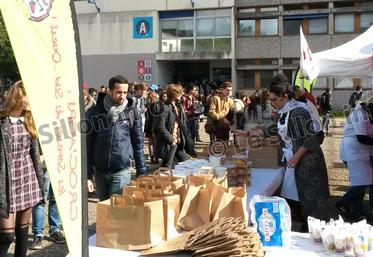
point(247, 41)
point(156, 41)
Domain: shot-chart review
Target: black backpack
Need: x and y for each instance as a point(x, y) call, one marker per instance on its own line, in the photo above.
point(353, 99)
point(324, 102)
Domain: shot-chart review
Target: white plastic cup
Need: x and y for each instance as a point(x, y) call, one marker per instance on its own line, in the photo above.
point(215, 161)
point(220, 171)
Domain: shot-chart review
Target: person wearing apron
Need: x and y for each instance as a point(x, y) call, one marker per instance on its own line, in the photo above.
point(306, 178)
point(356, 152)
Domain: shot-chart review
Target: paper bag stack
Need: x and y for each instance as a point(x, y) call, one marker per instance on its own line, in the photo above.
point(223, 237)
point(159, 207)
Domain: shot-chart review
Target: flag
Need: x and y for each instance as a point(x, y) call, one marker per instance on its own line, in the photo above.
point(43, 34)
point(307, 63)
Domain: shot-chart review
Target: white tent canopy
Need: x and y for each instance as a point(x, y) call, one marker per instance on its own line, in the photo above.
point(352, 59)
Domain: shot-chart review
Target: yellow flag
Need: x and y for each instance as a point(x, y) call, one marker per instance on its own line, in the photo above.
point(43, 40)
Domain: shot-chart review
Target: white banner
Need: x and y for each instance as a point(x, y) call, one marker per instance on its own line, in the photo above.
point(307, 63)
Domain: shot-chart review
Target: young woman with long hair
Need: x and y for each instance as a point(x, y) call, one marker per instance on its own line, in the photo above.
point(20, 171)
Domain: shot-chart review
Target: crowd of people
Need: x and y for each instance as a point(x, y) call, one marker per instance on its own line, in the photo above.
point(121, 114)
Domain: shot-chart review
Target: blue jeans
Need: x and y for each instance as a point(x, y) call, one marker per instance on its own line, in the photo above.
point(108, 183)
point(38, 211)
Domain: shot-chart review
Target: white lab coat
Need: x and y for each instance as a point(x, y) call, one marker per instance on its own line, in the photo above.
point(356, 154)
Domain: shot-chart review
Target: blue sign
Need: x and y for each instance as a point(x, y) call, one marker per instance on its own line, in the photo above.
point(143, 27)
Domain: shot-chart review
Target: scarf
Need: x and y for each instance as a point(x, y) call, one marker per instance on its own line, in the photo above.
point(113, 109)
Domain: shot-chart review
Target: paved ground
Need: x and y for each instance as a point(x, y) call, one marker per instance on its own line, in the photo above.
point(338, 182)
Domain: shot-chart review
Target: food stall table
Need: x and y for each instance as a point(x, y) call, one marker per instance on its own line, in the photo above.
point(302, 245)
point(264, 182)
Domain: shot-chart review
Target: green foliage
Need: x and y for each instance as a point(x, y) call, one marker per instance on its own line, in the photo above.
point(8, 64)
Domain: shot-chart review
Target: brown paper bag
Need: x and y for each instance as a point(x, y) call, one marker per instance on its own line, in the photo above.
point(178, 187)
point(215, 191)
point(128, 224)
point(232, 204)
point(195, 211)
point(217, 194)
point(171, 206)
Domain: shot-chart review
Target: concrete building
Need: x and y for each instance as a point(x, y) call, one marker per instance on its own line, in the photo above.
point(177, 42)
point(246, 41)
point(268, 39)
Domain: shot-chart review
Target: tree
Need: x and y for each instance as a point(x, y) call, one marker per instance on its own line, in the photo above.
point(8, 64)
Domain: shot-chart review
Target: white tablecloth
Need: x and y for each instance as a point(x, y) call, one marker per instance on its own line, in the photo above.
point(264, 182)
point(301, 246)
point(304, 247)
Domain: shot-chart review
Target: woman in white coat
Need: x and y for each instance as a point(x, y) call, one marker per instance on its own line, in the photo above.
point(356, 152)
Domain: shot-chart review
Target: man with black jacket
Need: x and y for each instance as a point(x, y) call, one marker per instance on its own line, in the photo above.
point(326, 108)
point(114, 137)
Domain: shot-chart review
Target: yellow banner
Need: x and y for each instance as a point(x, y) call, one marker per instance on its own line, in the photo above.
point(43, 39)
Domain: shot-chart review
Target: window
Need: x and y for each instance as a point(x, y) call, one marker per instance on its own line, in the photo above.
point(311, 24)
point(185, 28)
point(246, 28)
point(366, 20)
point(186, 45)
point(221, 74)
point(291, 61)
point(318, 26)
point(205, 27)
point(223, 26)
point(268, 27)
point(212, 30)
point(366, 83)
point(254, 79)
point(344, 23)
point(204, 44)
point(222, 44)
point(265, 78)
point(351, 83)
point(289, 74)
point(291, 27)
point(343, 83)
point(177, 35)
point(169, 28)
point(246, 79)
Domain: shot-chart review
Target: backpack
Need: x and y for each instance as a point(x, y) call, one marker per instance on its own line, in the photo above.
point(323, 103)
point(353, 99)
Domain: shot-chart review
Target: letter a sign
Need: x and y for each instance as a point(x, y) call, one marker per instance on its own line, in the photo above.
point(142, 27)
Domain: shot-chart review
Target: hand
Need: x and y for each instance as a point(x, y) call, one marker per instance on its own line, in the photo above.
point(90, 186)
point(293, 162)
